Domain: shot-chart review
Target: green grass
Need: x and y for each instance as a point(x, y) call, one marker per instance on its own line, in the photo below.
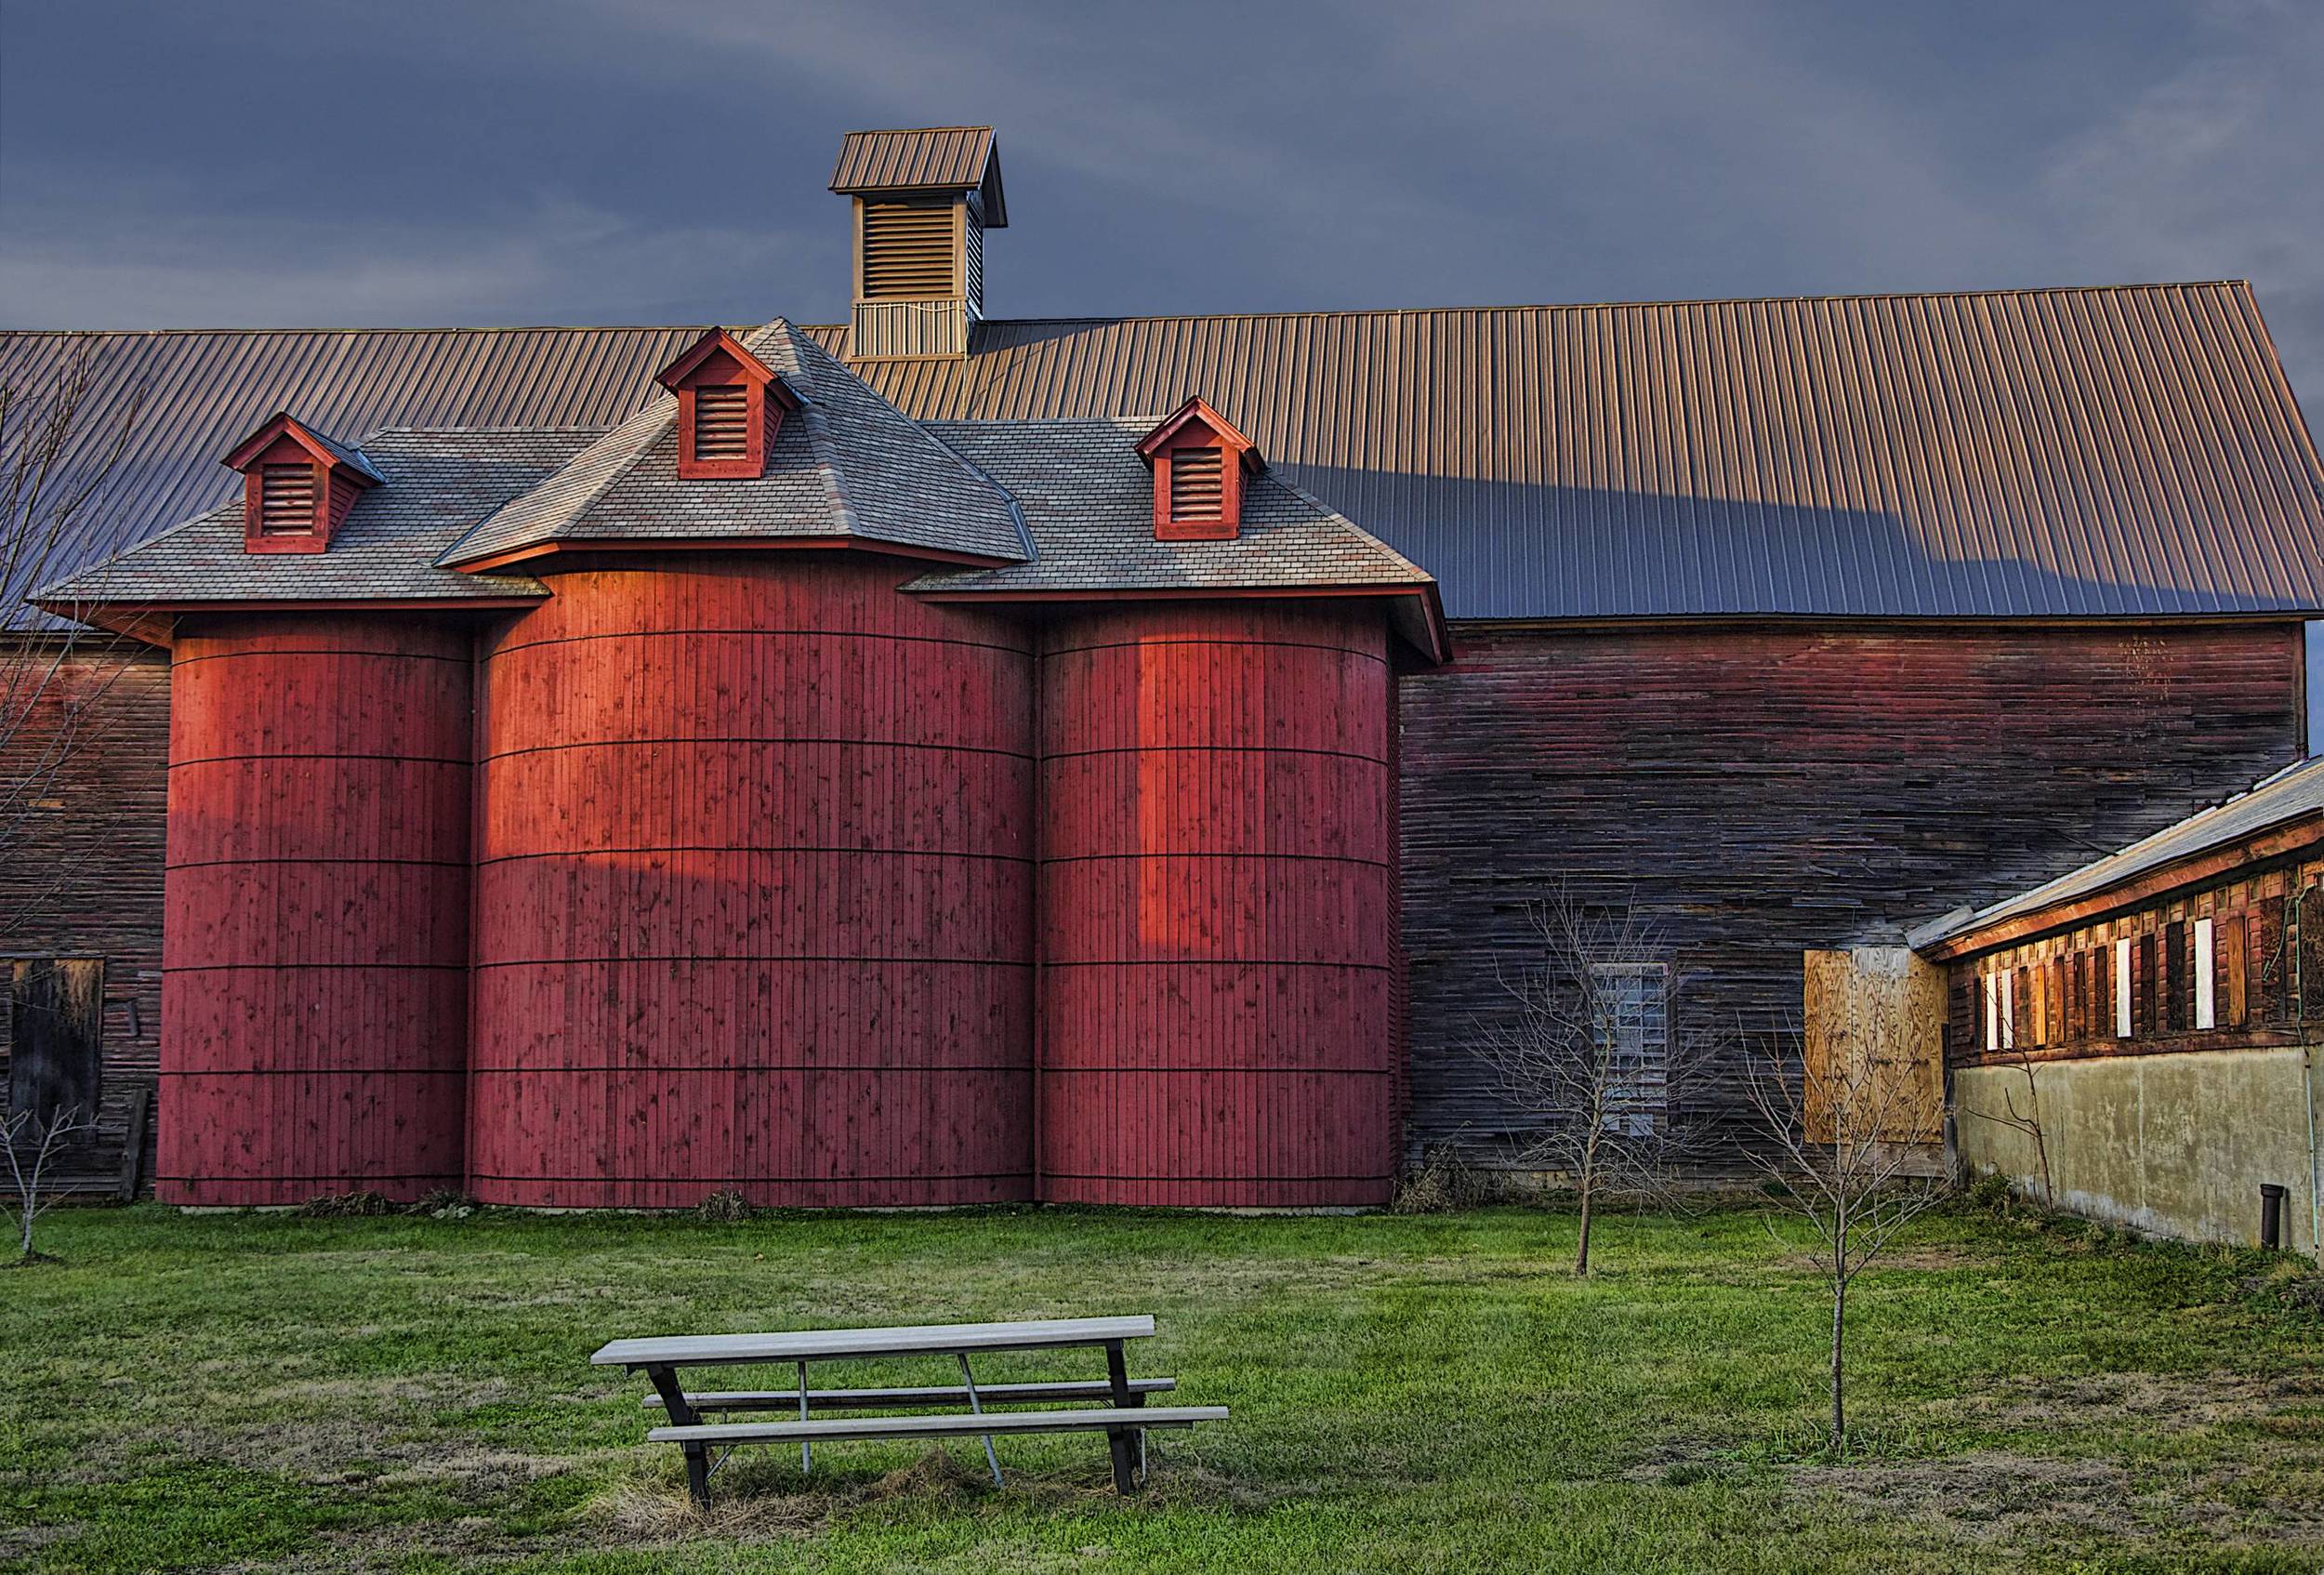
point(1410, 1394)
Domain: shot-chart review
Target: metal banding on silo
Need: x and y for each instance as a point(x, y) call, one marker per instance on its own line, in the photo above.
point(315, 974)
point(1217, 906)
point(754, 892)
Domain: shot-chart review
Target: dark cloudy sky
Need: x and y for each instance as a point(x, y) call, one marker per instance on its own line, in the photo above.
point(167, 163)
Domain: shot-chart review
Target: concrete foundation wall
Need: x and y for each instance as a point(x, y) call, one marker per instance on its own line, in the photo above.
point(2172, 1144)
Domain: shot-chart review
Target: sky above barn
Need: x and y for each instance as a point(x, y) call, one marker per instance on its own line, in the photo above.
point(333, 163)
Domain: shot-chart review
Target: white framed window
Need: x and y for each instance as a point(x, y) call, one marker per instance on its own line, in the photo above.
point(1633, 1028)
point(2205, 978)
point(2122, 988)
point(1992, 1011)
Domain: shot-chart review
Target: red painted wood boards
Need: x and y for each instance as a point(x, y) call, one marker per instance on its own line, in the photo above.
point(1218, 913)
point(754, 892)
point(315, 965)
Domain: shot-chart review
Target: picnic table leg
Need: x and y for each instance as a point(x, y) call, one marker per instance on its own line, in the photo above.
point(806, 1450)
point(976, 1408)
point(673, 1393)
point(1117, 1438)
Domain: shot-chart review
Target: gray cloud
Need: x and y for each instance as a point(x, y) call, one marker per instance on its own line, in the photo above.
point(627, 160)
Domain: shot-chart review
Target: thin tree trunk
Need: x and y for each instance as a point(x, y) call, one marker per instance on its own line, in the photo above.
point(1581, 1254)
point(1839, 1336)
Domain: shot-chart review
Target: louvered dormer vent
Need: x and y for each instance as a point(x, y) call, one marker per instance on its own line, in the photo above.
point(730, 408)
point(1198, 483)
point(1199, 461)
point(721, 422)
point(296, 485)
point(286, 499)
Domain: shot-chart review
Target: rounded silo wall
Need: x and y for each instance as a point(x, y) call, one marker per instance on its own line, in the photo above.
point(316, 960)
point(1217, 889)
point(754, 892)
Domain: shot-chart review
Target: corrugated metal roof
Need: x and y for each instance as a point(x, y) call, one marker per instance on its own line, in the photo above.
point(943, 158)
point(2292, 794)
point(2130, 451)
point(204, 391)
point(2125, 452)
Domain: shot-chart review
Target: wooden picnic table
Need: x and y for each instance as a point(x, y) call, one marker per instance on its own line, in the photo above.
point(662, 1360)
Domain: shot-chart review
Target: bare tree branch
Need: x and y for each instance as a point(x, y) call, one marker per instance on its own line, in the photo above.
point(58, 680)
point(1599, 1051)
point(1833, 1161)
point(31, 1192)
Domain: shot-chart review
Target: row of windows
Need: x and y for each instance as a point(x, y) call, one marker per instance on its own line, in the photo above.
point(2000, 993)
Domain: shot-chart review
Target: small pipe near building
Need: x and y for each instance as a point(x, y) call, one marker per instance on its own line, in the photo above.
point(2272, 1216)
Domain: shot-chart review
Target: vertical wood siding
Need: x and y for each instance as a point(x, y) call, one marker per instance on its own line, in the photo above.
point(1217, 906)
point(1765, 790)
point(754, 892)
point(314, 973)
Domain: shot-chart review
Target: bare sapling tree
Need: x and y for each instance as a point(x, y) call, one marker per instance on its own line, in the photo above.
point(56, 677)
point(1838, 1142)
point(35, 1141)
point(1597, 1054)
point(2023, 1115)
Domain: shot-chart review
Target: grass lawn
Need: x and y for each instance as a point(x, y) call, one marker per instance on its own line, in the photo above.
point(1410, 1395)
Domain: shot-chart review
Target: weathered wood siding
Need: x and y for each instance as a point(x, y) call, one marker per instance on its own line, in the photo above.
point(754, 892)
point(1217, 906)
point(83, 876)
point(314, 975)
point(1764, 791)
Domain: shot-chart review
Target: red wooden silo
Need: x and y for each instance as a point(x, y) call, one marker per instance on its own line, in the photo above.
point(754, 892)
point(314, 988)
point(1219, 946)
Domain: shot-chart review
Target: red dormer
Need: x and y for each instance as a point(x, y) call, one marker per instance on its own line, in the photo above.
point(296, 485)
point(730, 406)
point(1199, 461)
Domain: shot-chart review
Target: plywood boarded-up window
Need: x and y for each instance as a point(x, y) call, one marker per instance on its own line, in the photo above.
point(2205, 978)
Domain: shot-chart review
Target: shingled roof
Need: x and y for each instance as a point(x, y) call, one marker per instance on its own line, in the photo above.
point(845, 464)
point(1087, 500)
point(437, 484)
point(2131, 452)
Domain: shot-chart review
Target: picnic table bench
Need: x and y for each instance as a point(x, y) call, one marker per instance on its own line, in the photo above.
point(1120, 1412)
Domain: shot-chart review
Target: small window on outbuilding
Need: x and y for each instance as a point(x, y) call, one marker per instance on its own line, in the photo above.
point(1632, 1026)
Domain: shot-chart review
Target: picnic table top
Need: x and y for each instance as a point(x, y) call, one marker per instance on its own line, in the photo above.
point(821, 1345)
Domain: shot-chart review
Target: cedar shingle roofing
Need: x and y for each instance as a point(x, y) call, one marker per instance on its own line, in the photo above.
point(2118, 452)
point(845, 463)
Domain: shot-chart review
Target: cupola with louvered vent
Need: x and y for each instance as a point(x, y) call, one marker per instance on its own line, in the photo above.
point(296, 485)
point(730, 407)
point(922, 201)
point(1199, 460)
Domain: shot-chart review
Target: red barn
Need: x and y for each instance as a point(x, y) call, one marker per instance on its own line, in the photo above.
point(939, 758)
